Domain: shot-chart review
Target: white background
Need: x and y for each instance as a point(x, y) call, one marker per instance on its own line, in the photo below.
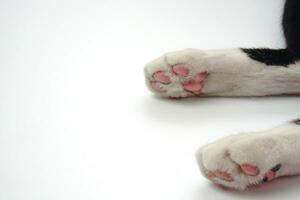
point(76, 120)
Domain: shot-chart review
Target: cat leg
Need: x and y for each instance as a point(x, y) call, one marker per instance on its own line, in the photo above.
point(240, 161)
point(230, 72)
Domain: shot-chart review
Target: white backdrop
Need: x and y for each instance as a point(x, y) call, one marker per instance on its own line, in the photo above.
point(77, 121)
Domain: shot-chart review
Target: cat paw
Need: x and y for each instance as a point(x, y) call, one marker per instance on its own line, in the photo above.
point(173, 75)
point(240, 161)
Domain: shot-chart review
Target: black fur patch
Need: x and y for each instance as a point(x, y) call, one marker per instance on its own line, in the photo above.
point(276, 57)
point(276, 168)
point(297, 121)
point(291, 25)
point(291, 30)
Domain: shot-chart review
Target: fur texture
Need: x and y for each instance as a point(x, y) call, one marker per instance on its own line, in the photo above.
point(231, 73)
point(243, 160)
point(279, 145)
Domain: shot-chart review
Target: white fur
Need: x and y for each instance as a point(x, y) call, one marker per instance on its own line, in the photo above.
point(279, 145)
point(231, 73)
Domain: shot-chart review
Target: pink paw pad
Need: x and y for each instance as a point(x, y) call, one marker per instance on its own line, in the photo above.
point(157, 87)
point(250, 170)
point(210, 174)
point(223, 175)
point(271, 174)
point(181, 70)
point(162, 77)
point(193, 86)
point(197, 84)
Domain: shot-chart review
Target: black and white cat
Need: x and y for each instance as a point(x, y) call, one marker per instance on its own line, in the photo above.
point(243, 160)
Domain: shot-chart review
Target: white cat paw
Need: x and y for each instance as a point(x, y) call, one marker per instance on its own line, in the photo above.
point(173, 75)
point(241, 161)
